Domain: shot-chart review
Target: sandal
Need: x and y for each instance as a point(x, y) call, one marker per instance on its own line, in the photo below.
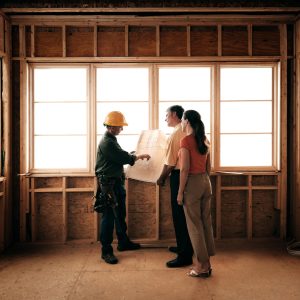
point(206, 274)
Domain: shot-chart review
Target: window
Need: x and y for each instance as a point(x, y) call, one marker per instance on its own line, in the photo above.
point(124, 89)
point(189, 87)
point(60, 114)
point(246, 116)
point(238, 105)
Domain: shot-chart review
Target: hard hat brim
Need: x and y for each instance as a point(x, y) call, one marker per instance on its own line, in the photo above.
point(115, 125)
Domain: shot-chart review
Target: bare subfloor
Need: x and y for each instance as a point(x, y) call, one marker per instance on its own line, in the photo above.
point(241, 270)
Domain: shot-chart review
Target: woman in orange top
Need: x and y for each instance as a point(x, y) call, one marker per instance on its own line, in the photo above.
point(195, 191)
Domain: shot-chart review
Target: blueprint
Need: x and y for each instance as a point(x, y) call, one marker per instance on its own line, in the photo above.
point(152, 142)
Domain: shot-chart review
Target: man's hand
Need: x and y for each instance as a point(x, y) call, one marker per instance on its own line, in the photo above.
point(160, 181)
point(142, 156)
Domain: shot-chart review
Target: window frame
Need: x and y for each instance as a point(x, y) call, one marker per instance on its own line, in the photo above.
point(31, 168)
point(150, 95)
point(275, 118)
point(153, 110)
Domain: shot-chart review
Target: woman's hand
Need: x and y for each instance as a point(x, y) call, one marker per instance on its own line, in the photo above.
point(180, 198)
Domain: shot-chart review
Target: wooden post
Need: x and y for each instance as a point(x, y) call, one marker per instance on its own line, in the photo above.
point(218, 208)
point(64, 41)
point(249, 209)
point(126, 40)
point(6, 143)
point(219, 40)
point(283, 127)
point(22, 213)
point(65, 210)
point(250, 40)
point(96, 215)
point(188, 40)
point(2, 215)
point(157, 40)
point(23, 138)
point(32, 33)
point(296, 200)
point(33, 210)
point(157, 189)
point(95, 40)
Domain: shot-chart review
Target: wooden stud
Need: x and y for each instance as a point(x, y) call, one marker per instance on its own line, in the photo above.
point(296, 181)
point(126, 40)
point(250, 40)
point(96, 215)
point(22, 39)
point(64, 210)
point(188, 40)
point(219, 40)
point(33, 212)
point(23, 111)
point(277, 204)
point(32, 41)
point(127, 201)
point(157, 189)
point(283, 128)
point(6, 128)
point(95, 40)
point(64, 41)
point(218, 209)
point(2, 34)
point(22, 214)
point(2, 222)
point(157, 40)
point(249, 209)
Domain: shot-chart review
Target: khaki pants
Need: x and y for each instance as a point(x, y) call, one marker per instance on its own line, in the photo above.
point(197, 199)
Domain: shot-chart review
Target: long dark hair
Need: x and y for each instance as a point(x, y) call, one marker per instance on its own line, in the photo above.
point(194, 119)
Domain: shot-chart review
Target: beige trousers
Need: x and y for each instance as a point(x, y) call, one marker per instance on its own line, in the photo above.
point(197, 199)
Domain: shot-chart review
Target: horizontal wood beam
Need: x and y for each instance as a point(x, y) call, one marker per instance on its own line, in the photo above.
point(152, 59)
point(14, 10)
point(153, 20)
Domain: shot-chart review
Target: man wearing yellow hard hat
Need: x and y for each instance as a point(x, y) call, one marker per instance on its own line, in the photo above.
point(110, 174)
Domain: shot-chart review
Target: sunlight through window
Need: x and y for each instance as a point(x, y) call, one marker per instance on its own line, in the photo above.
point(246, 116)
point(60, 118)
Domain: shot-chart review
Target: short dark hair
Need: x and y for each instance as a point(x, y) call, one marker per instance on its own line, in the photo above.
point(177, 109)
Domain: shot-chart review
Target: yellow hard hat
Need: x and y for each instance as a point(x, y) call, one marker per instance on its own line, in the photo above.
point(115, 118)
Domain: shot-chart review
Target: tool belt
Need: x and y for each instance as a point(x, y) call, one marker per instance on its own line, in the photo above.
point(105, 196)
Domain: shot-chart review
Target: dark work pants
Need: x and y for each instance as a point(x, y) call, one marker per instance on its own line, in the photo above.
point(185, 249)
point(108, 219)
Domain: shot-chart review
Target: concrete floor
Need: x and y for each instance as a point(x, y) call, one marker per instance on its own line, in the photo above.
point(241, 270)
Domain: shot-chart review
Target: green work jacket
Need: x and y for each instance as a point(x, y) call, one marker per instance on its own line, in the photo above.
point(111, 157)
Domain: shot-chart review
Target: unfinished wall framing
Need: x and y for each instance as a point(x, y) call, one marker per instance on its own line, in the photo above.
point(60, 208)
point(245, 205)
point(6, 205)
point(162, 38)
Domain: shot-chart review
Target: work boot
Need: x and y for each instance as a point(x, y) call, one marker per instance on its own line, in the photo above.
point(179, 262)
point(128, 246)
point(109, 258)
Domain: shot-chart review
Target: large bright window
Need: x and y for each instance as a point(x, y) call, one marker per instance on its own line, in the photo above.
point(189, 87)
point(68, 104)
point(246, 116)
point(124, 89)
point(60, 114)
